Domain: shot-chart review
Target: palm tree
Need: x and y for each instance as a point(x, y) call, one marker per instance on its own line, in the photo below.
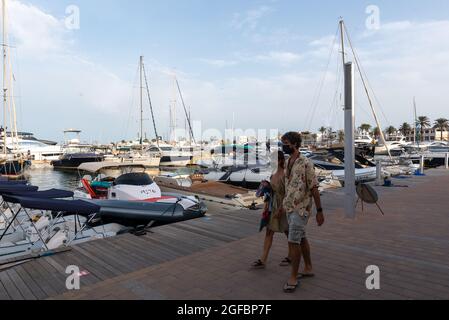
point(323, 131)
point(405, 129)
point(365, 127)
point(330, 136)
point(390, 131)
point(376, 133)
point(306, 137)
point(423, 122)
point(341, 136)
point(314, 137)
point(442, 124)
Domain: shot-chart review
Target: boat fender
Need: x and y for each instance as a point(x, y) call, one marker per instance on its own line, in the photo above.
point(58, 240)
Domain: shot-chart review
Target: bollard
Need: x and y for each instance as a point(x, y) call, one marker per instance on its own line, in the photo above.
point(446, 162)
point(379, 181)
point(421, 165)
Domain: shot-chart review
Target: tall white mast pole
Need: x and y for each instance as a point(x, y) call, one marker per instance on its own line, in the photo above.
point(5, 89)
point(141, 103)
point(342, 36)
point(350, 189)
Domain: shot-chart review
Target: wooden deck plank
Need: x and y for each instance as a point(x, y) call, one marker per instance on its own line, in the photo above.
point(20, 284)
point(147, 252)
point(34, 287)
point(85, 254)
point(10, 287)
point(3, 293)
point(110, 256)
point(51, 275)
point(36, 273)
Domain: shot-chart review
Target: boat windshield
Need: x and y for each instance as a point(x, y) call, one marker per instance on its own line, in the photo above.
point(134, 179)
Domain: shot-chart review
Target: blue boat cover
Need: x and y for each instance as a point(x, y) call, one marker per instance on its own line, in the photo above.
point(68, 207)
point(47, 194)
point(17, 188)
point(13, 182)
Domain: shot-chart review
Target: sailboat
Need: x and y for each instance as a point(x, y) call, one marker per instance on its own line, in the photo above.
point(141, 153)
point(12, 165)
point(174, 155)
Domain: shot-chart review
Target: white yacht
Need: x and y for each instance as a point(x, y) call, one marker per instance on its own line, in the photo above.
point(172, 156)
point(37, 151)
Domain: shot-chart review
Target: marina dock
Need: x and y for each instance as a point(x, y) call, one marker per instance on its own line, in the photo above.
point(210, 258)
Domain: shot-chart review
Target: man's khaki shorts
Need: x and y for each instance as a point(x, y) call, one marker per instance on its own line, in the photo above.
point(297, 227)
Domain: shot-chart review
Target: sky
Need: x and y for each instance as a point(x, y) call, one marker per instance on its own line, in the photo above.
point(272, 64)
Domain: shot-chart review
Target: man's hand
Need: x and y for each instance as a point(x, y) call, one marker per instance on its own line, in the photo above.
point(320, 219)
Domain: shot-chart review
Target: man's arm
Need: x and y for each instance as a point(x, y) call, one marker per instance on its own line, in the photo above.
point(317, 198)
point(312, 181)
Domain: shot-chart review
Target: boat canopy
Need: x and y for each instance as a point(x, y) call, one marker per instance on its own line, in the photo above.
point(95, 167)
point(10, 189)
point(12, 182)
point(134, 179)
point(48, 194)
point(75, 207)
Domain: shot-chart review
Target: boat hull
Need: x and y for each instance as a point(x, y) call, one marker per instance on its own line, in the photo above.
point(175, 161)
point(14, 167)
point(139, 213)
point(72, 162)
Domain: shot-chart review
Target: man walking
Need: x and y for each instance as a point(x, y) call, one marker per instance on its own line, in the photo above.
point(301, 186)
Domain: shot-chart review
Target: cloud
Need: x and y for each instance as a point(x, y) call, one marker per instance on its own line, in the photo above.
point(282, 58)
point(220, 63)
point(36, 32)
point(58, 86)
point(250, 19)
point(402, 59)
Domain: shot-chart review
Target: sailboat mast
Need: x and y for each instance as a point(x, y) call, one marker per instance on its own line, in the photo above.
point(416, 123)
point(141, 102)
point(342, 36)
point(5, 89)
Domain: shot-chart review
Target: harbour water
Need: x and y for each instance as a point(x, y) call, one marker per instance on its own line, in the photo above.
point(47, 178)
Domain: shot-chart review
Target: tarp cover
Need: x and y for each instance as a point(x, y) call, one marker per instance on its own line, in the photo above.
point(47, 194)
point(69, 207)
point(16, 188)
point(12, 183)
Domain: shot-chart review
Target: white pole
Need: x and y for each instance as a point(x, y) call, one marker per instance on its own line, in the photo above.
point(446, 162)
point(141, 103)
point(379, 181)
point(421, 167)
point(5, 89)
point(350, 190)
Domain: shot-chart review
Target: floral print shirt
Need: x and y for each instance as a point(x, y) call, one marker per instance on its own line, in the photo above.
point(298, 186)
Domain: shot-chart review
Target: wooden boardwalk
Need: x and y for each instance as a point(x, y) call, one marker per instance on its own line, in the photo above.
point(209, 258)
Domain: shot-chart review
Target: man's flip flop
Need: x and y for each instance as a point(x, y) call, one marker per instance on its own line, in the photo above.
point(306, 275)
point(288, 288)
point(286, 262)
point(258, 265)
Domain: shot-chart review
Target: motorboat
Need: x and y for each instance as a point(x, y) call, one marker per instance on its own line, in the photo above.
point(12, 165)
point(172, 156)
point(439, 147)
point(37, 221)
point(75, 154)
point(332, 162)
point(34, 150)
point(247, 176)
point(395, 148)
point(210, 191)
point(147, 159)
point(129, 196)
